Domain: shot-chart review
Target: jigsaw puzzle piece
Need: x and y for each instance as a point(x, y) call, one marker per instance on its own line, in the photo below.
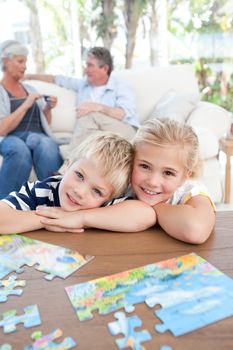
point(126, 325)
point(7, 287)
point(30, 318)
point(9, 265)
point(183, 318)
point(45, 342)
point(5, 347)
point(60, 262)
point(17, 251)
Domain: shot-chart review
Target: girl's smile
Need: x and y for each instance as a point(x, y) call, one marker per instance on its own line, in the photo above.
point(157, 172)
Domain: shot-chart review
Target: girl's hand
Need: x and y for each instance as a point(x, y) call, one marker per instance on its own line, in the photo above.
point(59, 220)
point(63, 229)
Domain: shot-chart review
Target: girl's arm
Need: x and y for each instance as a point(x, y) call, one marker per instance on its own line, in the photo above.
point(17, 221)
point(191, 222)
point(127, 216)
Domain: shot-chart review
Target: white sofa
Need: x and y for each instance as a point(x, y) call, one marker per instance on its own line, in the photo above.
point(211, 122)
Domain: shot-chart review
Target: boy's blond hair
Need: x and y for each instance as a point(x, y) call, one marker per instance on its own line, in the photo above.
point(168, 132)
point(112, 155)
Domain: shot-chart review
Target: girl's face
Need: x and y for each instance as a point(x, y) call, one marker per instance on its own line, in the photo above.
point(83, 187)
point(157, 172)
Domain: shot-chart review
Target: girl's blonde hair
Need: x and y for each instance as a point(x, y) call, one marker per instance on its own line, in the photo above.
point(167, 132)
point(112, 155)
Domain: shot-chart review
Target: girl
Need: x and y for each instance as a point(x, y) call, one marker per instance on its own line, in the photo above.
point(165, 167)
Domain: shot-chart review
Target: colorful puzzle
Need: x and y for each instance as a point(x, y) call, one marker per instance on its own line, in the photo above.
point(46, 342)
point(30, 318)
point(125, 325)
point(7, 287)
point(17, 251)
point(5, 347)
point(191, 292)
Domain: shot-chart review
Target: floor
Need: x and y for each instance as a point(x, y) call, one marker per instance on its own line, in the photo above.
point(223, 206)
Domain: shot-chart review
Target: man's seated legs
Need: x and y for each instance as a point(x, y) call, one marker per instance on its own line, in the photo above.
point(99, 122)
point(95, 122)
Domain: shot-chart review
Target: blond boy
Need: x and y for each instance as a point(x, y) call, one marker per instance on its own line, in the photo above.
point(99, 170)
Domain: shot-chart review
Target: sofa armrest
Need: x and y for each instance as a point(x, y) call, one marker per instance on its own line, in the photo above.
point(212, 117)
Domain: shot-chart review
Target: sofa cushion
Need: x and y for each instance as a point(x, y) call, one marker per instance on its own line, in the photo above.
point(208, 142)
point(151, 83)
point(211, 117)
point(175, 105)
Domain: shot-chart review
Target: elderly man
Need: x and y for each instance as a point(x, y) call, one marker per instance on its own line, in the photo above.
point(103, 102)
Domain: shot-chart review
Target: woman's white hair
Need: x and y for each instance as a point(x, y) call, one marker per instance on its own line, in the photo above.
point(10, 48)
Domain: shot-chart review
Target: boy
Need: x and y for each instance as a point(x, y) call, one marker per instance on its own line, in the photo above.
point(99, 170)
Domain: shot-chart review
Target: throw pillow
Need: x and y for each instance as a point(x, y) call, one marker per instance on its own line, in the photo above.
point(175, 105)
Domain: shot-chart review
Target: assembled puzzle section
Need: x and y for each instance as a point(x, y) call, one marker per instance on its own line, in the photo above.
point(126, 325)
point(46, 342)
point(17, 251)
point(30, 318)
point(192, 293)
point(7, 287)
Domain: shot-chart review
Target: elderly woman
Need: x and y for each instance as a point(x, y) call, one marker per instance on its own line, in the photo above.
point(25, 137)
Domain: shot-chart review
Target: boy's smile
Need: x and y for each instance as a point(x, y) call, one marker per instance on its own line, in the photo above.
point(157, 172)
point(84, 187)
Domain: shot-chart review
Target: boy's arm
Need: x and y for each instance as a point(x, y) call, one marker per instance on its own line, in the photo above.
point(127, 216)
point(17, 221)
point(192, 222)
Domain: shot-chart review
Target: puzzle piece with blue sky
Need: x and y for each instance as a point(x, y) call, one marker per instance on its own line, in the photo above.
point(7, 287)
point(126, 325)
point(17, 251)
point(5, 346)
point(30, 318)
point(192, 293)
point(46, 342)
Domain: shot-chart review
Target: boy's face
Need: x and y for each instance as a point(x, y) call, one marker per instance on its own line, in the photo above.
point(83, 187)
point(157, 172)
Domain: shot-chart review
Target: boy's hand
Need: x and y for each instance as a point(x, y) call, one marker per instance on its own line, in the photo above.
point(58, 220)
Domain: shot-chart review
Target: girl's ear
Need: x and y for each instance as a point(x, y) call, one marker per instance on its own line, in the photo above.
point(188, 174)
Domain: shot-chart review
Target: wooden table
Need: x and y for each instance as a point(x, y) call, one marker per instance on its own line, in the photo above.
point(115, 252)
point(226, 146)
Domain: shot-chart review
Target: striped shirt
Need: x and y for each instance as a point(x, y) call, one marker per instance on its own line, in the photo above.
point(35, 193)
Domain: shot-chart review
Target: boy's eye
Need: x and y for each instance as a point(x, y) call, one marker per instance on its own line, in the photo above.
point(98, 192)
point(144, 166)
point(79, 175)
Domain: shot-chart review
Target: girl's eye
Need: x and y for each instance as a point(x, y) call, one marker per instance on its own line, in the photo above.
point(98, 192)
point(169, 173)
point(79, 175)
